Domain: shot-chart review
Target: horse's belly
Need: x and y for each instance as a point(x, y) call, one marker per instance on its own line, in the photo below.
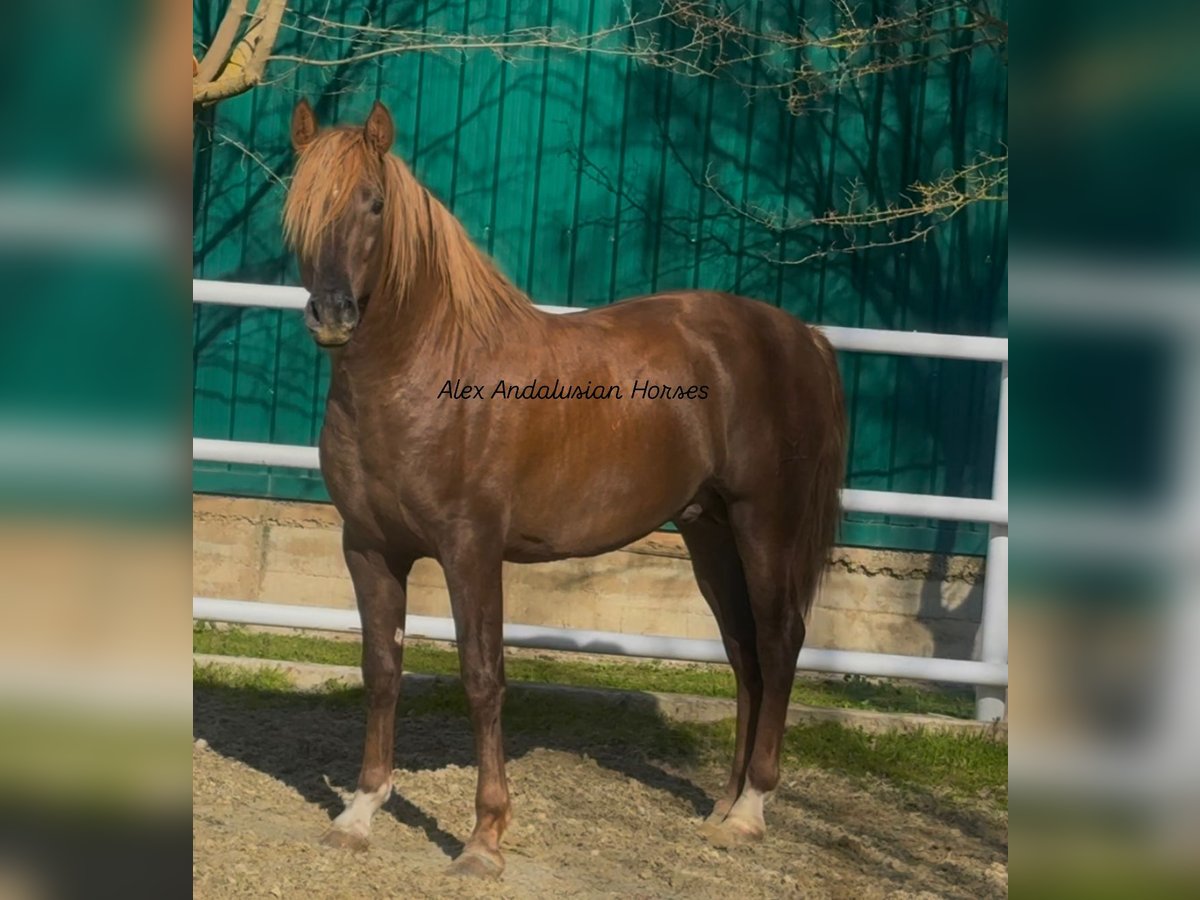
point(594, 515)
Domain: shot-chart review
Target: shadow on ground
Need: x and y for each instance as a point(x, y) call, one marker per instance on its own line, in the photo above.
point(316, 741)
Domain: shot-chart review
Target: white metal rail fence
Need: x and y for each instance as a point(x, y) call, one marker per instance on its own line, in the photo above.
point(988, 671)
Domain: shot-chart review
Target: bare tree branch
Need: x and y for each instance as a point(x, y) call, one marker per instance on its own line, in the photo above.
point(378, 41)
point(218, 50)
point(919, 210)
point(246, 62)
point(802, 64)
point(222, 138)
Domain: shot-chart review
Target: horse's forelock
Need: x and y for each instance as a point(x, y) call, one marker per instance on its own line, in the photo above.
point(327, 172)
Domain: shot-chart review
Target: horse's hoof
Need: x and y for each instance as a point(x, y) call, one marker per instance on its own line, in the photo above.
point(732, 832)
point(477, 864)
point(345, 840)
point(719, 812)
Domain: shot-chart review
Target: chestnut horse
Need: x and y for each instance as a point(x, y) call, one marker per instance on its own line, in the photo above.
point(466, 425)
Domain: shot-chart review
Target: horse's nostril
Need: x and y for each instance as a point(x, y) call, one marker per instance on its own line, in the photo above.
point(314, 313)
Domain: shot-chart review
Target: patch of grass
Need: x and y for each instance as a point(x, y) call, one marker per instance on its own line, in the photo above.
point(850, 692)
point(963, 764)
point(264, 680)
point(953, 766)
point(859, 692)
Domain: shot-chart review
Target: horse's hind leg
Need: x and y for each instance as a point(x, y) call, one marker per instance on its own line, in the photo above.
point(718, 570)
point(380, 588)
point(765, 541)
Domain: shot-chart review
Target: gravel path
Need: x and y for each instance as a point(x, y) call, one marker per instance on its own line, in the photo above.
point(589, 822)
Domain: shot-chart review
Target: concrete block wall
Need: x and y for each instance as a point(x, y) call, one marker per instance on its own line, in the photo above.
point(880, 601)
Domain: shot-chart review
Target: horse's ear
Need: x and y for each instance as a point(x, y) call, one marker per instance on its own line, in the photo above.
point(304, 125)
point(380, 130)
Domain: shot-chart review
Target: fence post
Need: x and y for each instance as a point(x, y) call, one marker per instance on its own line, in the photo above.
point(991, 703)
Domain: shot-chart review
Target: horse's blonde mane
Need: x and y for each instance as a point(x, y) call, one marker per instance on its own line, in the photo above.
point(424, 245)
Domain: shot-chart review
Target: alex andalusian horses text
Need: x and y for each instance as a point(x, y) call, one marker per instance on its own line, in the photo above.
point(742, 445)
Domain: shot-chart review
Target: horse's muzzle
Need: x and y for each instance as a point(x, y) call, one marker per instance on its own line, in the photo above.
point(331, 318)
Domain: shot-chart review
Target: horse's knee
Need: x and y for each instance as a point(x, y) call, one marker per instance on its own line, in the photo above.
point(483, 689)
point(381, 678)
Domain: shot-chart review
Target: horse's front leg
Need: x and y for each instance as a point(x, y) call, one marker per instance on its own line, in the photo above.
point(476, 596)
point(380, 588)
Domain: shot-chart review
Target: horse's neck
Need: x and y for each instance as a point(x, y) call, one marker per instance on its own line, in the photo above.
point(440, 293)
point(460, 297)
point(423, 327)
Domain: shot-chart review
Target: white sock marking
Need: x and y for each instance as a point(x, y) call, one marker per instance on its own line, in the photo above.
point(356, 817)
point(749, 806)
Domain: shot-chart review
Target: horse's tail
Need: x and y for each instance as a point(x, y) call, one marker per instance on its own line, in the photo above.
point(820, 495)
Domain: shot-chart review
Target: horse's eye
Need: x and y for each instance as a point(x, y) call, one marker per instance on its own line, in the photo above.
point(376, 207)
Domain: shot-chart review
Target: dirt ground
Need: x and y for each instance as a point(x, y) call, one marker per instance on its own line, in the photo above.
point(589, 822)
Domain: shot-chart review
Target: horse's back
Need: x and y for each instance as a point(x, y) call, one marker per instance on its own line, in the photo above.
point(773, 389)
point(763, 350)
